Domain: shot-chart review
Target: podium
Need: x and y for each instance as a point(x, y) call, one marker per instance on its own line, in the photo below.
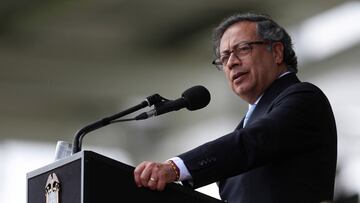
point(89, 177)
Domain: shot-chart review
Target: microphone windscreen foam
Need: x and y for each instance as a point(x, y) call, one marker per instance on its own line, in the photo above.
point(196, 97)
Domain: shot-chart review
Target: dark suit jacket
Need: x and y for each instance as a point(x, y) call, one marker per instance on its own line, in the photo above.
point(286, 153)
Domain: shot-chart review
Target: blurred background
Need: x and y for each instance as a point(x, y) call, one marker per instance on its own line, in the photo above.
point(65, 64)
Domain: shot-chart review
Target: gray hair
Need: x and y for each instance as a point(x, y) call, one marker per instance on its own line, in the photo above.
point(267, 29)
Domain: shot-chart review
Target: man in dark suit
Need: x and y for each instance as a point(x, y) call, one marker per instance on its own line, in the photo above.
point(285, 149)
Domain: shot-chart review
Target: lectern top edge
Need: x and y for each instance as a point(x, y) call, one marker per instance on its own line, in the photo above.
point(56, 164)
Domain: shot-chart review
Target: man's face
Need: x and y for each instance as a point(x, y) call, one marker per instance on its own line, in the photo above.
point(253, 72)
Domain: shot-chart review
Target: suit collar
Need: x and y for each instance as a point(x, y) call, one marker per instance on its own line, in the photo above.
point(270, 94)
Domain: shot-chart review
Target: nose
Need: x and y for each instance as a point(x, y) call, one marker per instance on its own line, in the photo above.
point(233, 61)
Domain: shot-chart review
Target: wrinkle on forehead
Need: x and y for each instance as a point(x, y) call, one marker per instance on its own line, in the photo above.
point(237, 33)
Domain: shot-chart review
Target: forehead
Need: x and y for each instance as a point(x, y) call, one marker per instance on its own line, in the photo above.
point(239, 32)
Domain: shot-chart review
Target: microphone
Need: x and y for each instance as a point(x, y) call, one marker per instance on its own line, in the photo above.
point(194, 98)
point(149, 101)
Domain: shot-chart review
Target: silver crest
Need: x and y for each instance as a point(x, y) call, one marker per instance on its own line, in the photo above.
point(52, 189)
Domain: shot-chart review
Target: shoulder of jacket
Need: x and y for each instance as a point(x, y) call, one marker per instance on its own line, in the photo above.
point(300, 87)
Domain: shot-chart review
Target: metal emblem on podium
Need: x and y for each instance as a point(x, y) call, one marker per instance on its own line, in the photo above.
point(52, 189)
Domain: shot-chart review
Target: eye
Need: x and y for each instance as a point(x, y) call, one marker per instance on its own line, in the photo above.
point(243, 49)
point(224, 58)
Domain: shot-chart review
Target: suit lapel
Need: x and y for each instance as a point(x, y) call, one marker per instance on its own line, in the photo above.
point(241, 124)
point(270, 94)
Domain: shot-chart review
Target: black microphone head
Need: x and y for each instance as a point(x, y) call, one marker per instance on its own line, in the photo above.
point(196, 97)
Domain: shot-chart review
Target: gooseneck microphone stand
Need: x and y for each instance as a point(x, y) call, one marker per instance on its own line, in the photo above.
point(77, 142)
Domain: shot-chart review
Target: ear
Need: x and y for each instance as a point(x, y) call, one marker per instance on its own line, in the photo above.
point(278, 52)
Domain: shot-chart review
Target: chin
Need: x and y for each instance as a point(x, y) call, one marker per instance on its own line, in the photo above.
point(239, 90)
point(242, 93)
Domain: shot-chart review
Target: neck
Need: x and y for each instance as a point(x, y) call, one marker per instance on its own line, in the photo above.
point(251, 99)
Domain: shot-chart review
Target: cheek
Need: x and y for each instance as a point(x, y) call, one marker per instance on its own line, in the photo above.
point(228, 80)
point(227, 75)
